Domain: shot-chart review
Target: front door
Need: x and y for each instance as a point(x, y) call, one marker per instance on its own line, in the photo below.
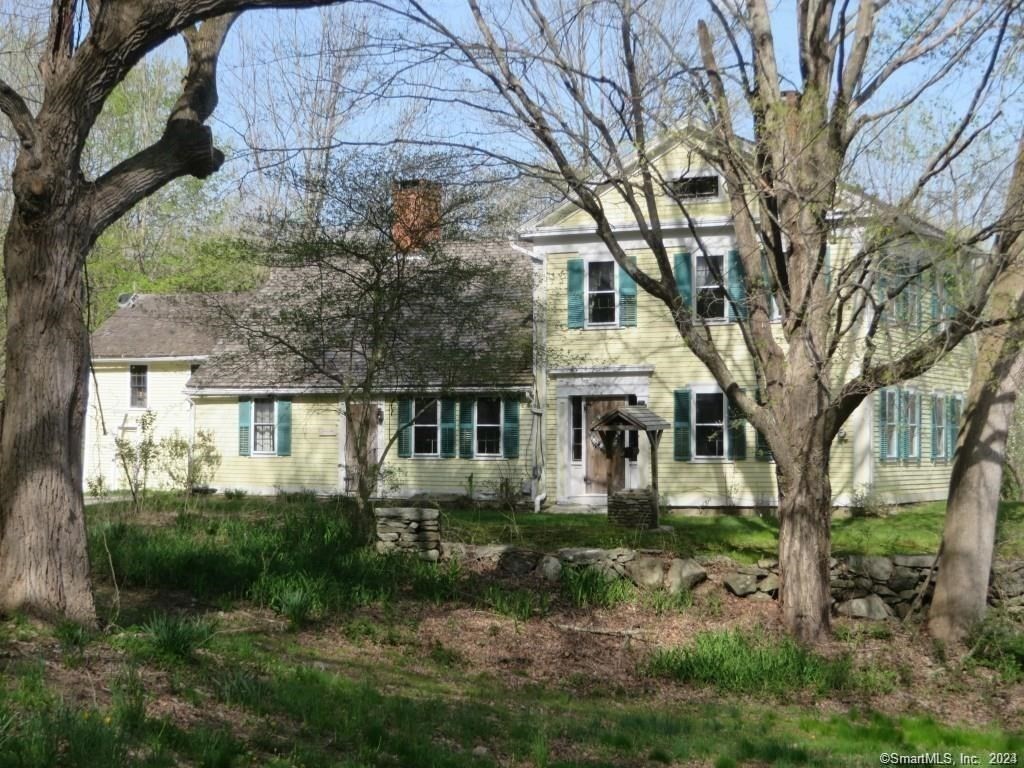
point(360, 439)
point(596, 472)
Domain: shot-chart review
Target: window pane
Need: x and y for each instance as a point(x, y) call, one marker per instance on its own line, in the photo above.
point(709, 408)
point(429, 411)
point(263, 412)
point(425, 439)
point(577, 428)
point(710, 441)
point(602, 307)
point(893, 438)
point(488, 440)
point(488, 411)
point(263, 438)
point(707, 269)
point(711, 302)
point(602, 276)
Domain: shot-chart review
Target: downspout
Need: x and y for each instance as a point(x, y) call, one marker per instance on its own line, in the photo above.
point(539, 389)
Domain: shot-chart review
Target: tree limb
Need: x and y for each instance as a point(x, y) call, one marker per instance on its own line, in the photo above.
point(186, 146)
point(13, 105)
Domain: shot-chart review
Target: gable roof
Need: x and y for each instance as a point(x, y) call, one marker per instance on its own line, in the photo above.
point(255, 345)
point(154, 326)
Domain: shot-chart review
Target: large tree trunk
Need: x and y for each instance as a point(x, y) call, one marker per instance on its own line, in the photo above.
point(805, 515)
point(961, 590)
point(44, 564)
point(968, 539)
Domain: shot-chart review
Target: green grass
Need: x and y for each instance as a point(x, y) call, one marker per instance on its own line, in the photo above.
point(911, 530)
point(754, 662)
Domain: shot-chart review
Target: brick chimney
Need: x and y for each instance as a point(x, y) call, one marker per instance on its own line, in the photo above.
point(417, 204)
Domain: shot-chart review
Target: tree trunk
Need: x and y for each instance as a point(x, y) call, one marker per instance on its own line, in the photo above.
point(44, 562)
point(961, 589)
point(805, 539)
point(968, 538)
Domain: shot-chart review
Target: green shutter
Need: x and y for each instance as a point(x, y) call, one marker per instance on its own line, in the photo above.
point(466, 429)
point(737, 432)
point(901, 425)
point(244, 422)
point(762, 451)
point(577, 308)
point(738, 308)
point(920, 426)
point(684, 279)
point(627, 297)
point(883, 433)
point(934, 302)
point(447, 429)
point(284, 428)
point(935, 434)
point(826, 268)
point(405, 432)
point(681, 433)
point(510, 429)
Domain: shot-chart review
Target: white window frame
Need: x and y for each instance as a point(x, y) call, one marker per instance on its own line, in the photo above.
point(723, 272)
point(704, 389)
point(437, 425)
point(131, 389)
point(892, 423)
point(588, 323)
point(500, 425)
point(940, 423)
point(914, 443)
point(252, 426)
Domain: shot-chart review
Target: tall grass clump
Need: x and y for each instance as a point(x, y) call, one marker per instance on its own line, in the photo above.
point(518, 604)
point(590, 588)
point(179, 637)
point(754, 662)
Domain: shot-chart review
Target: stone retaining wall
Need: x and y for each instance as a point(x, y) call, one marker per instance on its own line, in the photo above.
point(633, 509)
point(878, 587)
point(409, 529)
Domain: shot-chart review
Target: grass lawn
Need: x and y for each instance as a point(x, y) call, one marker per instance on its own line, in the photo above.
point(912, 530)
point(258, 633)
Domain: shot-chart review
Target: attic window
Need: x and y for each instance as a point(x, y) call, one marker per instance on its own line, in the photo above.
point(695, 187)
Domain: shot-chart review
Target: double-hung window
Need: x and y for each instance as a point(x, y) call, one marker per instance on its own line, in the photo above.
point(890, 424)
point(488, 426)
point(939, 427)
point(601, 293)
point(912, 424)
point(710, 288)
point(425, 439)
point(264, 426)
point(138, 382)
point(709, 424)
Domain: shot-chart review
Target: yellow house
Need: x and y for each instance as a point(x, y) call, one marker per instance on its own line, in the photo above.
point(278, 425)
point(606, 343)
point(142, 359)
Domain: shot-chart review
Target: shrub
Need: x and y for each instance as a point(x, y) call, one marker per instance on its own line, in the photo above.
point(591, 588)
point(998, 643)
point(753, 662)
point(189, 465)
point(179, 637)
point(235, 493)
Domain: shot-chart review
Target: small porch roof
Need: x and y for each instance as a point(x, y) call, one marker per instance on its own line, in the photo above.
point(631, 418)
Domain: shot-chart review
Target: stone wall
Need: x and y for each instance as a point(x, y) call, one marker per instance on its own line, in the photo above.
point(878, 587)
point(633, 509)
point(409, 529)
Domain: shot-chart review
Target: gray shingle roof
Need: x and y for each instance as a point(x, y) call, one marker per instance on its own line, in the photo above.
point(152, 325)
point(261, 347)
